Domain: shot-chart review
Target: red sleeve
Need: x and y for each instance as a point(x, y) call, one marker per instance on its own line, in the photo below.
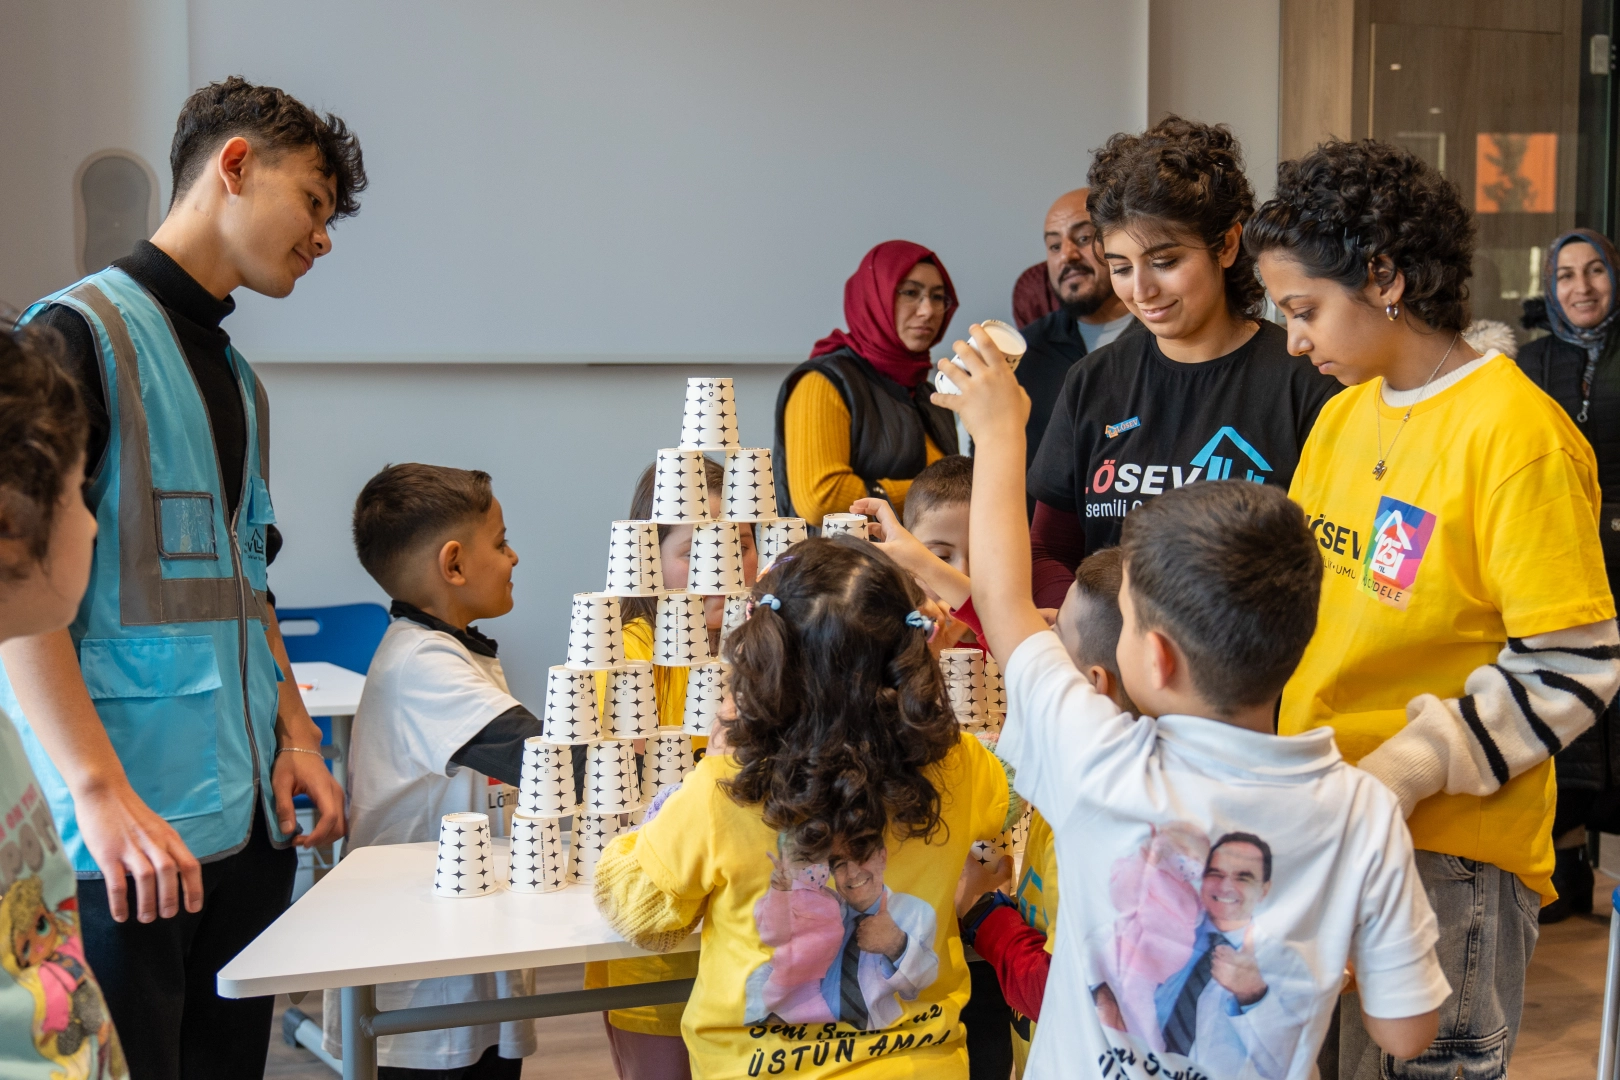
point(1018, 954)
point(966, 614)
point(1057, 543)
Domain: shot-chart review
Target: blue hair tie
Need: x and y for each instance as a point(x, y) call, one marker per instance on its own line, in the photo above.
point(770, 601)
point(918, 621)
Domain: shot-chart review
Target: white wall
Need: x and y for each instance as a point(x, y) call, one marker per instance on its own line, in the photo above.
point(1220, 62)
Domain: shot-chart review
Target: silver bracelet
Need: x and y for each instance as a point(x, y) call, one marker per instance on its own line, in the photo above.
point(299, 750)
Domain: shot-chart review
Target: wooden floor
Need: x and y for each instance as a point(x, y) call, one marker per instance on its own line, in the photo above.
point(1558, 1039)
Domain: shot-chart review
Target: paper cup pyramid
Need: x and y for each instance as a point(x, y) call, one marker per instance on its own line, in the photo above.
point(668, 760)
point(592, 834)
point(466, 862)
point(964, 682)
point(546, 787)
point(749, 493)
point(736, 614)
point(611, 786)
point(635, 567)
point(715, 565)
point(539, 864)
point(709, 421)
point(632, 702)
point(570, 707)
point(680, 488)
point(705, 689)
point(680, 631)
point(771, 538)
point(844, 525)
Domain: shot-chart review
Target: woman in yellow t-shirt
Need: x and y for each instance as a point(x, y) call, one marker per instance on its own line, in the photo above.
point(821, 852)
point(1466, 630)
point(646, 1041)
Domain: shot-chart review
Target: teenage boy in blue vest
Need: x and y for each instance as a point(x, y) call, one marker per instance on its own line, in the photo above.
point(166, 736)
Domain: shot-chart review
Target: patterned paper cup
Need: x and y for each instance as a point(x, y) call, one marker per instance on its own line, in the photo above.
point(595, 634)
point(964, 681)
point(547, 781)
point(986, 852)
point(680, 631)
point(771, 538)
point(610, 778)
point(466, 863)
point(715, 565)
point(680, 488)
point(668, 760)
point(709, 420)
point(571, 707)
point(749, 492)
point(635, 566)
point(845, 525)
point(995, 688)
point(1007, 339)
point(705, 690)
point(592, 834)
point(539, 864)
point(632, 701)
point(736, 614)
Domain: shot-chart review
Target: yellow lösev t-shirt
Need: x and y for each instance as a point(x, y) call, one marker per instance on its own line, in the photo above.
point(669, 687)
point(1497, 497)
point(771, 958)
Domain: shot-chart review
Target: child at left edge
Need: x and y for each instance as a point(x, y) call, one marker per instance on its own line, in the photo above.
point(435, 724)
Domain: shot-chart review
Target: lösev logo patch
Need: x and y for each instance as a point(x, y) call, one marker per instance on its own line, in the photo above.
point(1112, 430)
point(1400, 539)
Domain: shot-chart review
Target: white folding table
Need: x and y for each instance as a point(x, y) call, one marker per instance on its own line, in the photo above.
point(329, 690)
point(376, 919)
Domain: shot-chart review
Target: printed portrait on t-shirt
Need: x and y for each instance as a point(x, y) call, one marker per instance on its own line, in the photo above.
point(845, 948)
point(1186, 972)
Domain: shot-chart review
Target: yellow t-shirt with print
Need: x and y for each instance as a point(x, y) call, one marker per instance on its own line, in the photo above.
point(783, 987)
point(1484, 527)
point(1037, 896)
point(669, 687)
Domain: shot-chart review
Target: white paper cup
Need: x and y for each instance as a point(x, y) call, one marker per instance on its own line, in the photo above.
point(736, 614)
point(466, 862)
point(668, 761)
point(772, 538)
point(1006, 338)
point(964, 682)
point(749, 491)
point(592, 834)
point(1020, 829)
point(595, 634)
point(709, 419)
point(539, 864)
point(546, 787)
point(635, 565)
point(680, 631)
point(632, 701)
point(987, 852)
point(705, 690)
point(611, 786)
point(680, 488)
point(995, 687)
point(845, 525)
point(715, 565)
point(570, 707)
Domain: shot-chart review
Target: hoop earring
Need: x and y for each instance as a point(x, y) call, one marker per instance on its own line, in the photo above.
point(1392, 312)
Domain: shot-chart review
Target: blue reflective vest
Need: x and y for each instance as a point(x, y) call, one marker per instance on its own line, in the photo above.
point(171, 633)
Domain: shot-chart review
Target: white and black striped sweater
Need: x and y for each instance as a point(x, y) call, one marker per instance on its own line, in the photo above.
point(1541, 693)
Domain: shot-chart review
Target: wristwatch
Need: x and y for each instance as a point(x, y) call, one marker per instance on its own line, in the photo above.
point(980, 911)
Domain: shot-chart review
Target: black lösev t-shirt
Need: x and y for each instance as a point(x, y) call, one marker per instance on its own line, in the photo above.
point(1131, 423)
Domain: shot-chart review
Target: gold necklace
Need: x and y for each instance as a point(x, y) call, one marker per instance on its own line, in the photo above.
point(1380, 469)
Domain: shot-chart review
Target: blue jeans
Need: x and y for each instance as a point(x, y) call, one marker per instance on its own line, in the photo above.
point(1487, 932)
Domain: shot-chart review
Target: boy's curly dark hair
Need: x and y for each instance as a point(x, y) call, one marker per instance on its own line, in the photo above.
point(1181, 176)
point(274, 122)
point(841, 708)
point(1353, 211)
point(42, 434)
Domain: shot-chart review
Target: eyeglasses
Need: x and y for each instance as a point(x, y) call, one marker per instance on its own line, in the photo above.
point(913, 295)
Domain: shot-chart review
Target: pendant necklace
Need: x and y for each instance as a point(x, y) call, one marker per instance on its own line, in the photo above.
point(1383, 455)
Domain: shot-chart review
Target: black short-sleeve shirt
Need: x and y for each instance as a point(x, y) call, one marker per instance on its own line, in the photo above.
point(1131, 423)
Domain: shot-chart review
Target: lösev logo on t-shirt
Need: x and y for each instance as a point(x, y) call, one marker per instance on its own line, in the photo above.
point(1400, 538)
point(1148, 480)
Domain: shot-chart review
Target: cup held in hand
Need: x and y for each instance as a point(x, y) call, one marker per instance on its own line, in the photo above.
point(845, 525)
point(1006, 338)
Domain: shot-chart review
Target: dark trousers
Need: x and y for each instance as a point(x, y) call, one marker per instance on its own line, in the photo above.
point(489, 1067)
point(158, 977)
point(988, 1019)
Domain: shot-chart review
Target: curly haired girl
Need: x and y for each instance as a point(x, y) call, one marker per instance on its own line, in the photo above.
point(841, 748)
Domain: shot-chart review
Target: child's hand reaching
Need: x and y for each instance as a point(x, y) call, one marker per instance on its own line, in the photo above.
point(992, 403)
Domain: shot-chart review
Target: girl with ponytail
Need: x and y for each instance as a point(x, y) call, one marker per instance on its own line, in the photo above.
point(821, 848)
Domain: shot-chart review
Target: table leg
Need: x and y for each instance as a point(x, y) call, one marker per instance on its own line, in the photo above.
point(359, 1046)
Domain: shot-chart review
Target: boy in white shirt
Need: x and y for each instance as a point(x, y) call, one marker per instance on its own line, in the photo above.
point(436, 726)
point(1217, 878)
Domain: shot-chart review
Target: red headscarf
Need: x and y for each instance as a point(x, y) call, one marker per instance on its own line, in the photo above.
point(869, 311)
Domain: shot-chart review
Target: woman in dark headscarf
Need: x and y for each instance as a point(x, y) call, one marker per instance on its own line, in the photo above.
point(855, 420)
point(1576, 366)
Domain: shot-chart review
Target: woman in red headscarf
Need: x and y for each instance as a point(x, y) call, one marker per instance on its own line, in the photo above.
point(855, 419)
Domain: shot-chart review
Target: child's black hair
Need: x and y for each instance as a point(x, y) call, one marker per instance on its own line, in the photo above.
point(1097, 580)
point(406, 506)
point(947, 482)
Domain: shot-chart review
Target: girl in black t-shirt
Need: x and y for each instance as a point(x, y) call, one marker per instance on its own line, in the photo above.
point(1210, 392)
